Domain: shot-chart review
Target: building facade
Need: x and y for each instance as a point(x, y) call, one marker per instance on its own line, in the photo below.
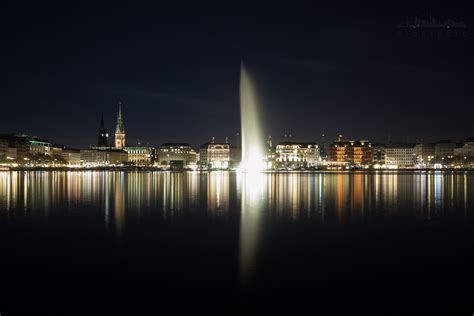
point(444, 150)
point(120, 130)
point(40, 147)
point(378, 151)
point(424, 155)
point(296, 155)
point(140, 156)
point(174, 152)
point(71, 156)
point(12, 153)
point(215, 155)
point(466, 149)
point(402, 155)
point(28, 145)
point(103, 157)
point(355, 152)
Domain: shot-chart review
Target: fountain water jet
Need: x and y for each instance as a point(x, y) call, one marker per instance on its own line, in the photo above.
point(251, 182)
point(252, 141)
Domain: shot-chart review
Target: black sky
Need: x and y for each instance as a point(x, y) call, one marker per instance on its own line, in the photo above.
point(319, 69)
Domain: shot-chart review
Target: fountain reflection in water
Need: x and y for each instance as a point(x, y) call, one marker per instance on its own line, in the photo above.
point(252, 186)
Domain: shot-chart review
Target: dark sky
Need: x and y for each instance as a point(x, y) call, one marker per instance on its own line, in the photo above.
point(319, 69)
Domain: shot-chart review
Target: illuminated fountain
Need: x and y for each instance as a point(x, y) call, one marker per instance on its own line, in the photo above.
point(251, 181)
point(252, 140)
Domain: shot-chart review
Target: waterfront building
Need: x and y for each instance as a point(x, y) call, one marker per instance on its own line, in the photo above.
point(56, 149)
point(71, 156)
point(176, 152)
point(378, 153)
point(355, 152)
point(103, 138)
point(12, 153)
point(297, 155)
point(271, 154)
point(42, 147)
point(22, 145)
point(466, 149)
point(424, 154)
point(120, 131)
point(338, 151)
point(360, 153)
point(444, 150)
point(215, 155)
point(400, 155)
point(323, 147)
point(140, 156)
point(28, 145)
point(103, 156)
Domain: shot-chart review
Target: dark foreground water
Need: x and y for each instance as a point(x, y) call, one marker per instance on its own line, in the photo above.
point(107, 242)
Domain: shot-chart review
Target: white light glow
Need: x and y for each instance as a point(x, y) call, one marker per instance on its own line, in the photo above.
point(252, 140)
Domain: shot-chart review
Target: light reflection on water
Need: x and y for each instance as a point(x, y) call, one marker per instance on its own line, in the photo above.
point(341, 196)
point(251, 201)
point(252, 194)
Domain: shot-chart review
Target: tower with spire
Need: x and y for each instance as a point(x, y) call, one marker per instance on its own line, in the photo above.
point(103, 139)
point(120, 131)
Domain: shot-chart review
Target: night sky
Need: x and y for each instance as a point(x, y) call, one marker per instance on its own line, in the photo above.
point(318, 70)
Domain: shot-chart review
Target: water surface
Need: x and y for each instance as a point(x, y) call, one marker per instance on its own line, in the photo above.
point(383, 241)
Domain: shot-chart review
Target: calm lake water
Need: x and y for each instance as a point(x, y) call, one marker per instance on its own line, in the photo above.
point(124, 241)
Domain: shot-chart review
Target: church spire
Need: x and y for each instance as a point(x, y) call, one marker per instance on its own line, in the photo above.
point(119, 120)
point(120, 131)
point(103, 136)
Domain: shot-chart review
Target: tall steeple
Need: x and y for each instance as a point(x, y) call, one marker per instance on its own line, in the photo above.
point(120, 131)
point(103, 139)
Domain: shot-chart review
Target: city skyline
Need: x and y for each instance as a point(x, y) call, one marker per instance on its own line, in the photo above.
point(318, 70)
point(283, 135)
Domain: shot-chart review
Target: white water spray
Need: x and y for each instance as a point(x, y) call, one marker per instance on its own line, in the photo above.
point(252, 142)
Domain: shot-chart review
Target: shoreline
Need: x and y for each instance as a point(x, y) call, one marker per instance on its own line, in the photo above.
point(151, 169)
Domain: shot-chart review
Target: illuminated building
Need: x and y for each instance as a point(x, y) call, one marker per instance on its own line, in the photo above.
point(297, 155)
point(400, 155)
point(140, 156)
point(444, 150)
point(214, 155)
point(360, 152)
point(323, 147)
point(103, 156)
point(40, 147)
point(12, 153)
point(378, 151)
point(71, 156)
point(355, 152)
point(28, 145)
point(271, 154)
point(174, 152)
point(56, 149)
point(466, 149)
point(103, 138)
point(424, 154)
point(120, 131)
